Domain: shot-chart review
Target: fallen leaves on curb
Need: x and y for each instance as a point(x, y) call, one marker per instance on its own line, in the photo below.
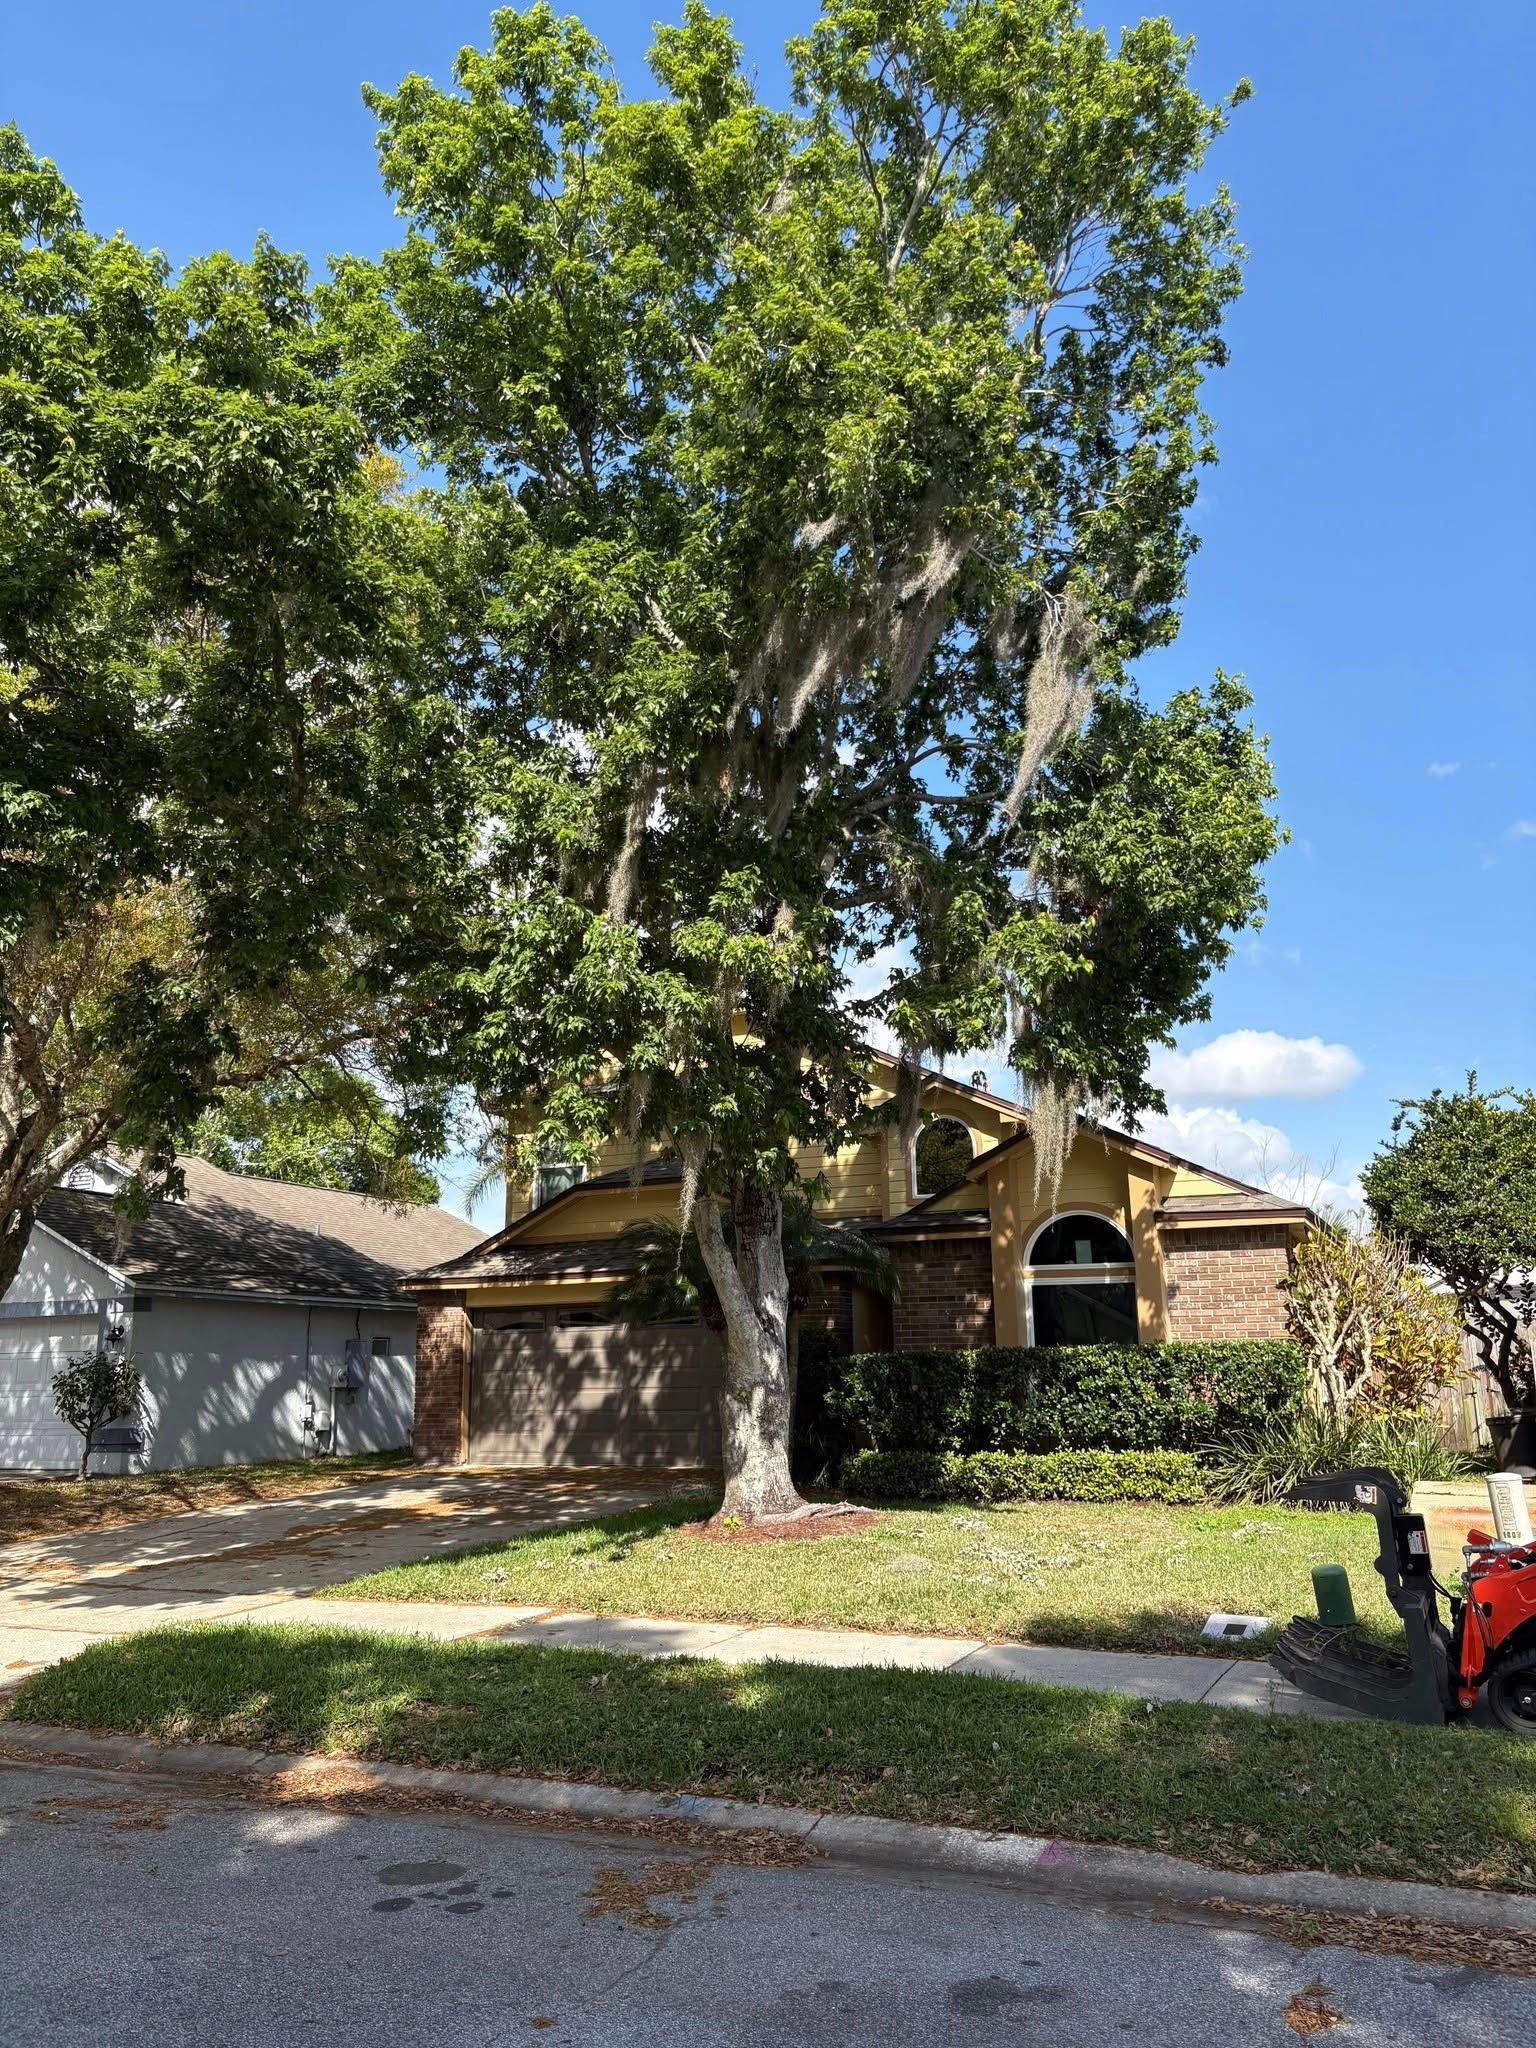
point(339, 1787)
point(1309, 2011)
point(1508, 1952)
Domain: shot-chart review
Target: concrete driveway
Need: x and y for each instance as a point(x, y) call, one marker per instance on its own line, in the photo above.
point(59, 1593)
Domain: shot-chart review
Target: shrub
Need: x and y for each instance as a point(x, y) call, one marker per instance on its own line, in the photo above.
point(1122, 1397)
point(1265, 1463)
point(91, 1391)
point(1375, 1333)
point(1174, 1478)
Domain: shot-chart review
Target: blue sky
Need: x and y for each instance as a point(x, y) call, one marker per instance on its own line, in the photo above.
point(1368, 537)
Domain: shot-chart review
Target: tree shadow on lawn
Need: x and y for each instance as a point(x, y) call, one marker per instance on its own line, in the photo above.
point(1235, 1789)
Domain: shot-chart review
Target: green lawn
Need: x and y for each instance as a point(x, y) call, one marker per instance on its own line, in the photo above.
point(1237, 1790)
point(1102, 1577)
point(61, 1507)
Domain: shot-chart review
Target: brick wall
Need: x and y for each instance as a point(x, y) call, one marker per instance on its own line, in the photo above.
point(1225, 1283)
point(442, 1349)
point(946, 1293)
point(829, 1311)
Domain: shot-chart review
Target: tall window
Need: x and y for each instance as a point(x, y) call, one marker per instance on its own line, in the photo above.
point(940, 1155)
point(554, 1177)
point(1080, 1278)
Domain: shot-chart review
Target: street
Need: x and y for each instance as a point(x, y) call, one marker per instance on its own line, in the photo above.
point(138, 1912)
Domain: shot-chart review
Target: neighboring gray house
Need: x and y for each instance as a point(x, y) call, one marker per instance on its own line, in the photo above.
point(266, 1320)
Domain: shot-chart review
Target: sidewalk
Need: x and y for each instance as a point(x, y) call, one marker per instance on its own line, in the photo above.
point(1210, 1681)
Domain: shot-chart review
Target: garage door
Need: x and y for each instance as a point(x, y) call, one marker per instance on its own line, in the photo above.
point(32, 1349)
point(605, 1396)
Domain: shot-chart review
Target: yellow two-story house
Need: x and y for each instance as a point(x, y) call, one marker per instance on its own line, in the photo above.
point(520, 1361)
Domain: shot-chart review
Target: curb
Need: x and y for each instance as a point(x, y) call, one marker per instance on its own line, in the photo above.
point(1023, 1862)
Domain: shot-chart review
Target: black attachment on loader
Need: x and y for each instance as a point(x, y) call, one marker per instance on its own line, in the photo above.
point(1339, 1664)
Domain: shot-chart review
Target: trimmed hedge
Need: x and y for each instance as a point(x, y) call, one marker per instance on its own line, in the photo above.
point(1172, 1478)
point(1117, 1397)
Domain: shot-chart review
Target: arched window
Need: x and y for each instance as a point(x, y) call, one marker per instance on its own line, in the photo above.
point(941, 1154)
point(1080, 1282)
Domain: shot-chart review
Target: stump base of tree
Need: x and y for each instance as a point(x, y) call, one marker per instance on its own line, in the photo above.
point(805, 1525)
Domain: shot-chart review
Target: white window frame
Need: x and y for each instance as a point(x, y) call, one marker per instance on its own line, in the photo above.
point(944, 1117)
point(1117, 1272)
point(555, 1166)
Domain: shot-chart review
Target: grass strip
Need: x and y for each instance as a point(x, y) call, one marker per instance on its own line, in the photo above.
point(66, 1507)
point(1237, 1790)
point(1101, 1578)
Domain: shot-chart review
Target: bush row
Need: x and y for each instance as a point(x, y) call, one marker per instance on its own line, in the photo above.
point(1117, 1397)
point(1172, 1478)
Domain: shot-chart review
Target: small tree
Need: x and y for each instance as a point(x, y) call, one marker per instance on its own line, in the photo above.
point(1375, 1333)
point(93, 1390)
point(1457, 1183)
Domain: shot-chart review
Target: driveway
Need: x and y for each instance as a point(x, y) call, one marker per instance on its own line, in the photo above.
point(59, 1593)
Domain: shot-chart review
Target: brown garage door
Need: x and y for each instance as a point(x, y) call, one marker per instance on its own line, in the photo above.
point(606, 1396)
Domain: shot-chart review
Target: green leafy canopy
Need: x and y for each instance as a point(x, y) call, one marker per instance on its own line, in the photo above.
point(823, 471)
point(227, 806)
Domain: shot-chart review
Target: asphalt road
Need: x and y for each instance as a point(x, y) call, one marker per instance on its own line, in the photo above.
point(136, 1912)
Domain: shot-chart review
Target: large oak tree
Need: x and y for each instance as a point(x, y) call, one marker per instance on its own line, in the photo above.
point(824, 470)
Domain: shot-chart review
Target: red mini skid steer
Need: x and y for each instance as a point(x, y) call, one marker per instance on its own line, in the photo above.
point(1490, 1642)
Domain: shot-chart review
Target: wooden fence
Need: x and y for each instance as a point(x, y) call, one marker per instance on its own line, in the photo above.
point(1462, 1409)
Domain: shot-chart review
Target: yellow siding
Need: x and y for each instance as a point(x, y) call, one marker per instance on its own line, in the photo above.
point(970, 1194)
point(855, 1176)
point(602, 1213)
point(617, 1156)
point(541, 1294)
point(1151, 1278)
point(1094, 1178)
point(1189, 1180)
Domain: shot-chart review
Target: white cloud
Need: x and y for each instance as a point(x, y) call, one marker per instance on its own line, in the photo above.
point(1259, 1153)
point(1443, 768)
point(1241, 1066)
point(1523, 828)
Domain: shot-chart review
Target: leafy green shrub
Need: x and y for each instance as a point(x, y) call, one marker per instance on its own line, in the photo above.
point(1265, 1463)
point(1122, 1397)
point(1174, 1478)
point(93, 1390)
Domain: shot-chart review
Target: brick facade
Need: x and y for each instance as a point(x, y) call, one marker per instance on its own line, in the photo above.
point(829, 1312)
point(1225, 1283)
point(946, 1293)
point(442, 1354)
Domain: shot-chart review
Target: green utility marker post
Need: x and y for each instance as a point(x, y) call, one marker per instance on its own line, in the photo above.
point(1330, 1590)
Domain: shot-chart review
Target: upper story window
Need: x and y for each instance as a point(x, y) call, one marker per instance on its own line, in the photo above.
point(554, 1177)
point(1080, 1282)
point(941, 1154)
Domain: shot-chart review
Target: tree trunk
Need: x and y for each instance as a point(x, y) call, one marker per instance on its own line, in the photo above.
point(755, 1404)
point(15, 1234)
point(1496, 1334)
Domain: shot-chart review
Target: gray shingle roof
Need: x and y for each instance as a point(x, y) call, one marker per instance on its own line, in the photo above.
point(235, 1234)
point(1251, 1202)
point(543, 1259)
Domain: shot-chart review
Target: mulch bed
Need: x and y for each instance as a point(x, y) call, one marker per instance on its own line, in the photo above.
point(791, 1529)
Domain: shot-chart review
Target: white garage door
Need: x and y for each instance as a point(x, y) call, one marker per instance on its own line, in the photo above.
point(605, 1396)
point(32, 1349)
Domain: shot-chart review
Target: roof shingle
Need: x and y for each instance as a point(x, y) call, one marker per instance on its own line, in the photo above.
point(235, 1234)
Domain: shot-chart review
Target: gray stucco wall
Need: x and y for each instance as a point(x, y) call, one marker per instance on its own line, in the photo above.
point(227, 1382)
